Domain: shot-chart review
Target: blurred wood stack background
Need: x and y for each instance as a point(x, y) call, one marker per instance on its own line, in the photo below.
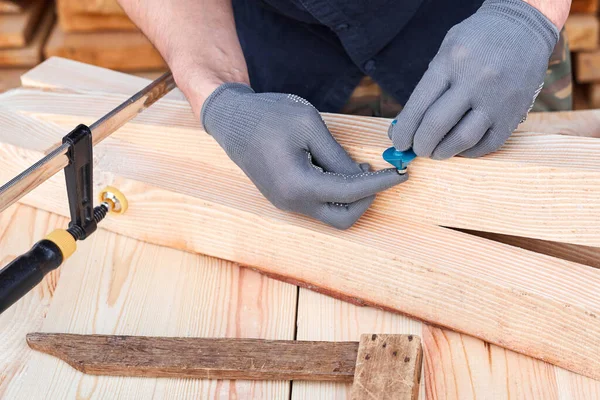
point(99, 32)
point(24, 26)
point(582, 29)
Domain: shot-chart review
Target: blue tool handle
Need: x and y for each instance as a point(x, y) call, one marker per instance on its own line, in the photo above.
point(399, 159)
point(27, 270)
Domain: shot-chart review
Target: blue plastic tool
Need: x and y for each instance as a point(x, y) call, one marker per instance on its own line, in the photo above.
point(399, 159)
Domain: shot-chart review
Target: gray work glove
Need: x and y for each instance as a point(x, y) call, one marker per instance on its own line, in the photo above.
point(480, 85)
point(282, 144)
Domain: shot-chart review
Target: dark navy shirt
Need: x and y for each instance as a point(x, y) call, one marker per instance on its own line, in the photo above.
point(321, 49)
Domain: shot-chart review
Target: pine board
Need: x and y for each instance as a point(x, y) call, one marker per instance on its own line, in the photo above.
point(582, 32)
point(31, 54)
point(456, 366)
point(17, 29)
point(10, 78)
point(92, 16)
point(587, 66)
point(574, 123)
point(117, 285)
point(528, 201)
point(124, 51)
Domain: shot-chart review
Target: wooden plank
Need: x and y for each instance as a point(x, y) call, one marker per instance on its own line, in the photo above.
point(31, 54)
point(92, 16)
point(575, 123)
point(464, 282)
point(17, 29)
point(117, 285)
point(10, 6)
point(388, 367)
point(594, 95)
point(584, 6)
point(456, 366)
point(583, 32)
point(204, 358)
point(20, 226)
point(124, 51)
point(579, 254)
point(587, 66)
point(460, 195)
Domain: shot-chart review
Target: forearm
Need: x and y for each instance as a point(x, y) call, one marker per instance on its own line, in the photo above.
point(197, 39)
point(556, 11)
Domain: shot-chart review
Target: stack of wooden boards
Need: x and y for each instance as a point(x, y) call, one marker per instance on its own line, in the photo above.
point(24, 26)
point(583, 32)
point(100, 33)
point(133, 276)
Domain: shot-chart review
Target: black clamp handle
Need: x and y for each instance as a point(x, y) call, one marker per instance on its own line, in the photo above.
point(27, 270)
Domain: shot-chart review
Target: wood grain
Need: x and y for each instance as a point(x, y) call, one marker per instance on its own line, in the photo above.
point(388, 367)
point(17, 29)
point(583, 32)
point(574, 123)
point(116, 285)
point(124, 51)
point(529, 201)
point(30, 54)
point(579, 254)
point(456, 366)
point(205, 358)
point(92, 16)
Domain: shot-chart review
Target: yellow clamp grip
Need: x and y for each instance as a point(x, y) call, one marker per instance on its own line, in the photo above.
point(65, 242)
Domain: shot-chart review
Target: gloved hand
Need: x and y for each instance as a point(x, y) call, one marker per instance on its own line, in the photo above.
point(282, 144)
point(480, 85)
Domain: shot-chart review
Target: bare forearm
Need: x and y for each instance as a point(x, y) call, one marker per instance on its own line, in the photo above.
point(556, 11)
point(197, 39)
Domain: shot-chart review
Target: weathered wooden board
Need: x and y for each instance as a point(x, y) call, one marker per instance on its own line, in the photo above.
point(583, 32)
point(117, 285)
point(92, 16)
point(575, 123)
point(481, 194)
point(17, 29)
point(456, 366)
point(388, 367)
point(124, 51)
point(30, 54)
point(207, 358)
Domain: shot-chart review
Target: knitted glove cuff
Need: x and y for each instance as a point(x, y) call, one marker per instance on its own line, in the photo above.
point(526, 15)
point(220, 103)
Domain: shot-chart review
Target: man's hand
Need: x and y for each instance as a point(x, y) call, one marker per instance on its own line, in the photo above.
point(282, 144)
point(480, 85)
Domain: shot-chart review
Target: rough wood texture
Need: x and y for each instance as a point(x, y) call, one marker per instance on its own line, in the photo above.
point(584, 6)
point(124, 51)
point(582, 32)
point(529, 201)
point(594, 95)
point(31, 54)
point(17, 29)
point(92, 16)
point(587, 66)
point(116, 285)
point(388, 367)
point(205, 358)
point(499, 293)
